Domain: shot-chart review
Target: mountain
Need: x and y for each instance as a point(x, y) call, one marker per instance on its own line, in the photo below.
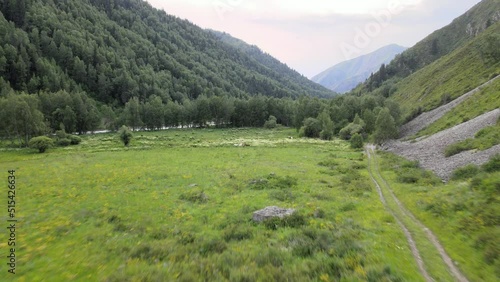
point(347, 75)
point(117, 50)
point(440, 43)
point(282, 70)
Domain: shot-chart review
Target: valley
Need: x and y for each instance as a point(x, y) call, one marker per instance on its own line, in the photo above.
point(140, 146)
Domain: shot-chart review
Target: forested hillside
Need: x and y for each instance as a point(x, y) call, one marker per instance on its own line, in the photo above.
point(89, 64)
point(438, 44)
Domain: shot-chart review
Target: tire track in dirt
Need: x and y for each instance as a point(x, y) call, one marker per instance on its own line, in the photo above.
point(413, 246)
point(370, 150)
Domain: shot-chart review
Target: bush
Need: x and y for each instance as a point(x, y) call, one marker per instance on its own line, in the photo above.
point(357, 141)
point(326, 134)
point(493, 165)
point(125, 135)
point(312, 128)
point(273, 181)
point(459, 147)
point(347, 132)
point(408, 177)
point(41, 143)
point(271, 123)
point(194, 196)
point(61, 134)
point(294, 221)
point(213, 246)
point(465, 172)
point(75, 140)
point(64, 142)
point(237, 233)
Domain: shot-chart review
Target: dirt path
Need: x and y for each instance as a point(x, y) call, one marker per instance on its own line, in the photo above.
point(373, 168)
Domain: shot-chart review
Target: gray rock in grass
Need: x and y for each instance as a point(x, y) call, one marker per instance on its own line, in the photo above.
point(271, 212)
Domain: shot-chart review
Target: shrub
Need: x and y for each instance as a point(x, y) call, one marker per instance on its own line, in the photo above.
point(61, 134)
point(493, 165)
point(237, 233)
point(348, 207)
point(357, 141)
point(326, 134)
point(75, 140)
point(214, 245)
point(384, 275)
point(408, 177)
point(312, 128)
point(465, 172)
point(347, 132)
point(329, 163)
point(271, 123)
point(273, 181)
point(41, 143)
point(459, 147)
point(125, 135)
point(294, 221)
point(194, 196)
point(64, 142)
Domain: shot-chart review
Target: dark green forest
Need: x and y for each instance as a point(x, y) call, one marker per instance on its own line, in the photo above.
point(81, 66)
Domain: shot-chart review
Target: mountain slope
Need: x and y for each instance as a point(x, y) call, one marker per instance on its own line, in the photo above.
point(347, 75)
point(117, 50)
point(279, 71)
point(438, 44)
point(451, 76)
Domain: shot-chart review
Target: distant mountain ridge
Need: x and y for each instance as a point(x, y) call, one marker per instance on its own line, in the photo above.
point(347, 75)
point(281, 71)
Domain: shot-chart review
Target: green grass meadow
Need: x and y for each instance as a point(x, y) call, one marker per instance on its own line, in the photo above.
point(463, 214)
point(177, 206)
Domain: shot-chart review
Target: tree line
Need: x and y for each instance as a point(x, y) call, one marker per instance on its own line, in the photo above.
point(24, 116)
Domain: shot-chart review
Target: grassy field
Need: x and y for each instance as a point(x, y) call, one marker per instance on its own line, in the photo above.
point(463, 213)
point(177, 205)
point(449, 77)
point(482, 102)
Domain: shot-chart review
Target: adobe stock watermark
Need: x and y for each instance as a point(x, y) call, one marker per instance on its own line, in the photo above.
point(381, 20)
point(223, 7)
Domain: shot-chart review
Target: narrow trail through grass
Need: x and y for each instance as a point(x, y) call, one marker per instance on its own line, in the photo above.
point(411, 225)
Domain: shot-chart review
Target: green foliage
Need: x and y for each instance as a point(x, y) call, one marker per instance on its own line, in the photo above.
point(194, 195)
point(385, 127)
point(273, 181)
point(311, 129)
point(271, 123)
point(237, 233)
point(465, 172)
point(483, 101)
point(41, 143)
point(445, 55)
point(347, 132)
point(484, 139)
point(75, 140)
point(493, 165)
point(295, 220)
point(63, 142)
point(326, 125)
point(125, 135)
point(356, 141)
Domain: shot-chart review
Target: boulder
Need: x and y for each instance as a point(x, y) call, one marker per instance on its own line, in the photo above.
point(271, 212)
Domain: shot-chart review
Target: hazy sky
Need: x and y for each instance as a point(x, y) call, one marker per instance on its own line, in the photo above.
point(313, 35)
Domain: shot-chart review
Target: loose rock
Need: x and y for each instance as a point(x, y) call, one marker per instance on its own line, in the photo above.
point(271, 212)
